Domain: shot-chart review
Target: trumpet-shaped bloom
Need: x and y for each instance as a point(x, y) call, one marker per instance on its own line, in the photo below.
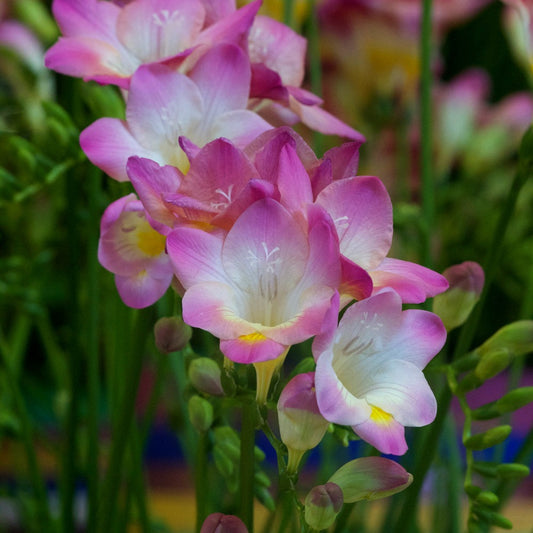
point(164, 105)
point(369, 369)
point(135, 252)
point(107, 43)
point(264, 285)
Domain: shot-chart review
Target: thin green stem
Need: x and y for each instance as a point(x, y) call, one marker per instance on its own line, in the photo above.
point(426, 139)
point(70, 443)
point(341, 524)
point(93, 381)
point(247, 464)
point(288, 12)
point(121, 432)
point(200, 480)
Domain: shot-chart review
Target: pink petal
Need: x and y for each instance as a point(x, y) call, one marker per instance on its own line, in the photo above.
point(141, 290)
point(216, 10)
point(196, 256)
point(362, 212)
point(218, 174)
point(279, 48)
point(233, 28)
point(388, 437)
point(320, 120)
point(223, 78)
point(293, 180)
point(356, 282)
point(152, 182)
point(240, 125)
point(267, 84)
point(108, 143)
point(413, 282)
point(243, 350)
point(162, 106)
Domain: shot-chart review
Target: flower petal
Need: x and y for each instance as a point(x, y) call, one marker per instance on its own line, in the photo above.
point(141, 290)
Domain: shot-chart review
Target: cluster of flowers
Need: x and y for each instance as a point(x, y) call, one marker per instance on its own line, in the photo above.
point(266, 242)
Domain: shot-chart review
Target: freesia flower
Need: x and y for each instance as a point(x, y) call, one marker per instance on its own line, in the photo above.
point(369, 370)
point(263, 286)
point(164, 105)
point(106, 42)
point(361, 210)
point(135, 252)
point(220, 184)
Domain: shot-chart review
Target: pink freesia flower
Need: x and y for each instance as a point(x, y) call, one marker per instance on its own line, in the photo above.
point(369, 370)
point(135, 252)
point(264, 285)
point(219, 186)
point(361, 210)
point(107, 42)
point(164, 105)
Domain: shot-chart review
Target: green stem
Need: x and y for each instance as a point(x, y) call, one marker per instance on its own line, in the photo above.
point(121, 432)
point(43, 518)
point(426, 144)
point(288, 12)
point(200, 480)
point(343, 518)
point(247, 464)
point(70, 443)
point(93, 382)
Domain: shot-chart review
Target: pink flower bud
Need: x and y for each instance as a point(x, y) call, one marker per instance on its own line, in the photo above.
point(370, 478)
point(455, 305)
point(204, 374)
point(322, 504)
point(223, 523)
point(171, 334)
point(300, 423)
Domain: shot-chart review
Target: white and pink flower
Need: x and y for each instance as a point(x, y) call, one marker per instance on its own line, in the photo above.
point(369, 369)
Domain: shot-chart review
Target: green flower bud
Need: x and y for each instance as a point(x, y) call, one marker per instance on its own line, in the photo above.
point(492, 363)
point(322, 505)
point(514, 400)
point(472, 490)
point(493, 518)
point(35, 15)
point(200, 413)
point(512, 470)
point(204, 374)
point(468, 383)
point(224, 464)
point(468, 362)
point(487, 498)
point(455, 305)
point(489, 438)
point(227, 440)
point(371, 478)
point(171, 334)
point(516, 337)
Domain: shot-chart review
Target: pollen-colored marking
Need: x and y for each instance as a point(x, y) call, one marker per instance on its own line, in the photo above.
point(253, 338)
point(379, 416)
point(150, 242)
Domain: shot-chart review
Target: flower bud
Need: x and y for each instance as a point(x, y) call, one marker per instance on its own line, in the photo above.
point(171, 334)
point(371, 478)
point(489, 438)
point(204, 374)
point(300, 423)
point(516, 337)
point(322, 505)
point(512, 470)
point(200, 413)
point(455, 305)
point(487, 498)
point(492, 364)
point(223, 523)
